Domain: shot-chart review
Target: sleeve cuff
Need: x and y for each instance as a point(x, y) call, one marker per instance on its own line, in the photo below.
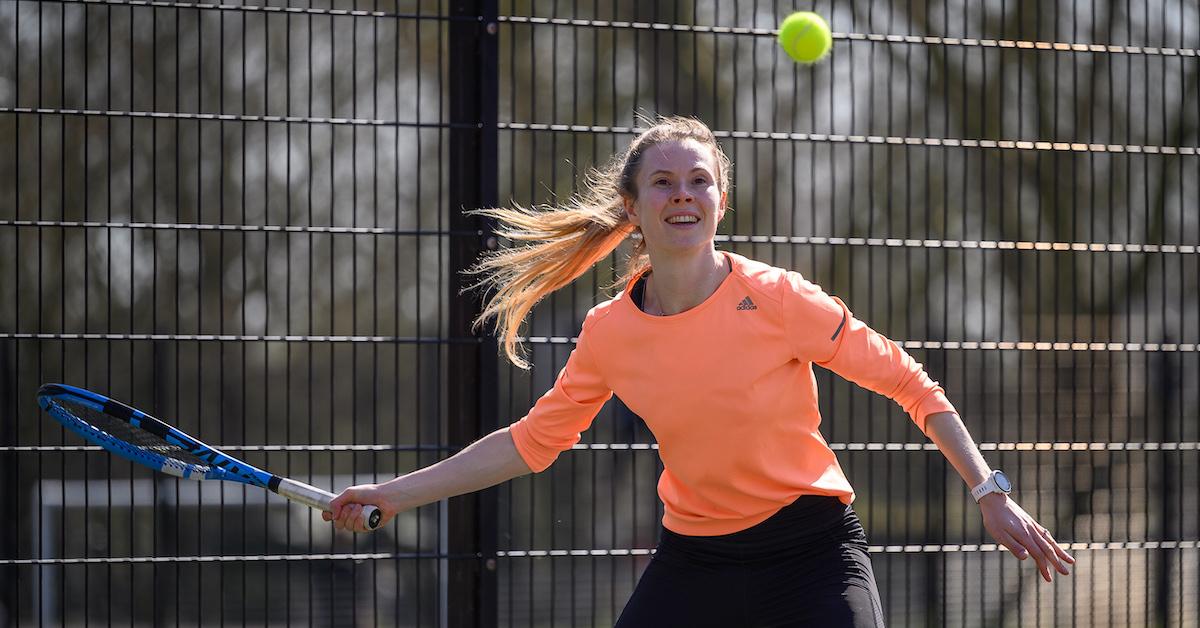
point(933, 403)
point(537, 458)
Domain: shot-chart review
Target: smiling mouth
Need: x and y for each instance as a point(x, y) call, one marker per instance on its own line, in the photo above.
point(682, 220)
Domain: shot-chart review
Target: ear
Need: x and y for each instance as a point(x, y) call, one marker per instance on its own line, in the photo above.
point(631, 210)
point(721, 211)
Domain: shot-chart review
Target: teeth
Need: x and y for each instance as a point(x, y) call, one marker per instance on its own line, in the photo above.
point(678, 219)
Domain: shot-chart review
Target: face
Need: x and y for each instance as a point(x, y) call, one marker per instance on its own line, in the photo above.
point(679, 202)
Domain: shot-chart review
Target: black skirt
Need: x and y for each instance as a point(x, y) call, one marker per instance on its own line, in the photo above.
point(807, 565)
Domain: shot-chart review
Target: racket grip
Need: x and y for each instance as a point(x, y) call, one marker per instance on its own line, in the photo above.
point(319, 499)
point(372, 516)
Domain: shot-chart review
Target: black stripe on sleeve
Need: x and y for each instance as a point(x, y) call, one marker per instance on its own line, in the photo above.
point(839, 327)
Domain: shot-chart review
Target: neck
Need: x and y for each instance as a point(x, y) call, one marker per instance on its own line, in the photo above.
point(680, 284)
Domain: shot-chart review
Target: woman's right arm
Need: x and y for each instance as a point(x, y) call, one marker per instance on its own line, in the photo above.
point(489, 461)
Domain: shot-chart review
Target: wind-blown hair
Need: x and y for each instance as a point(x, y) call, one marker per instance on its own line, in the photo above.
point(560, 243)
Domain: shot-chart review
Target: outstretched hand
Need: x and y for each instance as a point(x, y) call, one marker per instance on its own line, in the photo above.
point(347, 508)
point(1016, 530)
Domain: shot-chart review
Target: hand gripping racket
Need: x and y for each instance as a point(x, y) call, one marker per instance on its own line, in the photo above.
point(137, 436)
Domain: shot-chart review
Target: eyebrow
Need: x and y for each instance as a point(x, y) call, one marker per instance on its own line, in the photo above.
point(658, 172)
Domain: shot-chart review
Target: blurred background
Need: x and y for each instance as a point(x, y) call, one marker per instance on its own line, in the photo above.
point(247, 219)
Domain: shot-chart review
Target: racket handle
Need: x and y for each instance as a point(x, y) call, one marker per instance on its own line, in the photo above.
point(314, 497)
point(372, 516)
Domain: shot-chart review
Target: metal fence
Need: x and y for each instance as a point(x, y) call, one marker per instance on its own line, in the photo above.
point(246, 218)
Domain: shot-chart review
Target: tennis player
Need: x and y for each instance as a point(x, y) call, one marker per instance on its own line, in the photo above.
point(715, 352)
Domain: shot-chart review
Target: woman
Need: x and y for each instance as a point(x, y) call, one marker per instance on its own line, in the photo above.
point(714, 351)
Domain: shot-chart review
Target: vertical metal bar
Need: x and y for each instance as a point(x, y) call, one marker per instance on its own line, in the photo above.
point(419, 307)
point(353, 294)
point(177, 519)
point(373, 457)
point(243, 253)
point(287, 307)
point(219, 580)
point(10, 488)
point(161, 382)
point(10, 539)
point(5, 392)
point(309, 348)
point(242, 374)
point(331, 362)
point(416, 416)
point(264, 414)
point(471, 387)
point(554, 474)
point(511, 577)
point(62, 572)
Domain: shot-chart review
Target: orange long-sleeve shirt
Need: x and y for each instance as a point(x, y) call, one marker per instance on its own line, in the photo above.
point(727, 388)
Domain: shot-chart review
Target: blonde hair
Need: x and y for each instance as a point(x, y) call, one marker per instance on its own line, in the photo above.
point(561, 243)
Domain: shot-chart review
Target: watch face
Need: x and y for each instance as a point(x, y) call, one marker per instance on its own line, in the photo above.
point(1002, 482)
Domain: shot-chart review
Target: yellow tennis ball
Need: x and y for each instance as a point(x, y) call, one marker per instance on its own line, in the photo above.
point(805, 37)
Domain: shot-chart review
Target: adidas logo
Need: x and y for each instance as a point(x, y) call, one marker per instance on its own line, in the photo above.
point(746, 304)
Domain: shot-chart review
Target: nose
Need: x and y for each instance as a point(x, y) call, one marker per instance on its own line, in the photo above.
point(681, 196)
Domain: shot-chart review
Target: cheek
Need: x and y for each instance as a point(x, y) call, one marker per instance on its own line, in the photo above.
point(714, 197)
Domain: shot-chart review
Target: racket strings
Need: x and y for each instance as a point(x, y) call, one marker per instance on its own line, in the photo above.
point(135, 436)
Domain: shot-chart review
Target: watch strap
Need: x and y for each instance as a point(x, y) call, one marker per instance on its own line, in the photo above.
point(987, 486)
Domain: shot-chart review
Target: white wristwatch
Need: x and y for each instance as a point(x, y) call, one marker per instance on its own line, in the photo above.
point(997, 482)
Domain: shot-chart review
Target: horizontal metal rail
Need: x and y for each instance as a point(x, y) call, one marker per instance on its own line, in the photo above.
point(913, 243)
point(973, 345)
point(1055, 446)
point(286, 448)
point(402, 340)
point(930, 40)
point(582, 553)
point(230, 117)
point(881, 549)
point(168, 226)
point(209, 6)
point(836, 138)
point(266, 558)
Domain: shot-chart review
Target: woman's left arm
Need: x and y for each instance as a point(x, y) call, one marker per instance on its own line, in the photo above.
point(1008, 523)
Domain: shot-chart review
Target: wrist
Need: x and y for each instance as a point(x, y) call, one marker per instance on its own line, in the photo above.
point(395, 494)
point(996, 482)
point(993, 500)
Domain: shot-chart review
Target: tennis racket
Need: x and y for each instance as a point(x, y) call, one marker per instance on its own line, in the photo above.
point(137, 436)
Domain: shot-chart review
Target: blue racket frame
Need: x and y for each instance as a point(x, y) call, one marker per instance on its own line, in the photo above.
point(220, 466)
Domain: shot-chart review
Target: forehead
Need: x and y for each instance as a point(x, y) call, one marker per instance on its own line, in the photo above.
point(679, 156)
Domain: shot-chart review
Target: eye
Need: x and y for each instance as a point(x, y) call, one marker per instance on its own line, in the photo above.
point(701, 180)
point(661, 181)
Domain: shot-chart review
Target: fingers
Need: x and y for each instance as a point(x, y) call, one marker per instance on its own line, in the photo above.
point(1051, 550)
point(1015, 548)
point(1058, 552)
point(1025, 537)
point(1042, 548)
point(336, 505)
point(1040, 551)
point(1023, 546)
point(349, 518)
point(346, 510)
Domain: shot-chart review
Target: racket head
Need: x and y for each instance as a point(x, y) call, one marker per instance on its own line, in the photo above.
point(141, 438)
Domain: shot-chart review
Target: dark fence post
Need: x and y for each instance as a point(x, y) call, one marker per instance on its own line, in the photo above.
point(471, 366)
point(10, 607)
